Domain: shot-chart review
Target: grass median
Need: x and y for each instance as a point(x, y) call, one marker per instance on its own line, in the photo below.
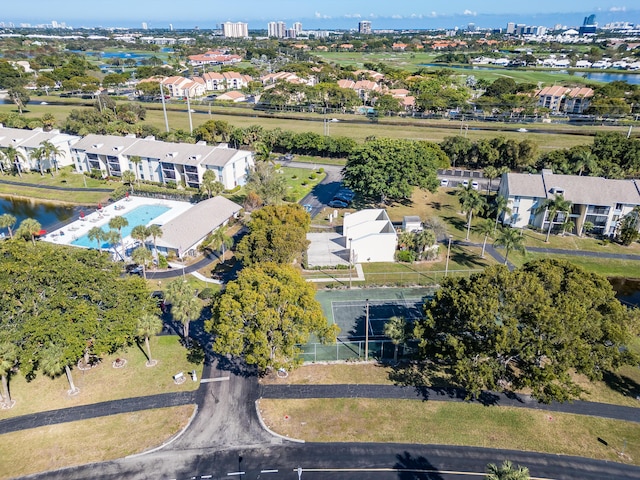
point(95, 440)
point(431, 422)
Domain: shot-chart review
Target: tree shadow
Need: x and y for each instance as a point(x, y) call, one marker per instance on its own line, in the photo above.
point(622, 384)
point(139, 344)
point(457, 222)
point(466, 259)
point(415, 468)
point(236, 365)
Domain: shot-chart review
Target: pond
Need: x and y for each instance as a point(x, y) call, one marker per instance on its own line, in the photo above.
point(606, 77)
point(627, 290)
point(50, 216)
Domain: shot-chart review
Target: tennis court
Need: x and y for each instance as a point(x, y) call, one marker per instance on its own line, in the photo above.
point(351, 316)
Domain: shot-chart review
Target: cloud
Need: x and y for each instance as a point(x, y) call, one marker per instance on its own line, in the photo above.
point(396, 16)
point(320, 15)
point(618, 9)
point(469, 13)
point(352, 15)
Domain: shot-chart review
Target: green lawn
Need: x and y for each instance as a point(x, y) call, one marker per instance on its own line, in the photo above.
point(432, 422)
point(104, 382)
point(95, 440)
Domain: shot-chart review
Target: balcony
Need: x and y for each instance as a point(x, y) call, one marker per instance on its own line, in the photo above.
point(598, 211)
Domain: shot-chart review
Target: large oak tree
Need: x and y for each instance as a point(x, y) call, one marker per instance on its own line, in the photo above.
point(265, 315)
point(527, 329)
point(387, 168)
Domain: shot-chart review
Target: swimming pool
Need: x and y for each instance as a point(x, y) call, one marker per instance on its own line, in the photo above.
point(142, 215)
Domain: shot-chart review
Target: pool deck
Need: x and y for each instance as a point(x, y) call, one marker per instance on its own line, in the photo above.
point(100, 218)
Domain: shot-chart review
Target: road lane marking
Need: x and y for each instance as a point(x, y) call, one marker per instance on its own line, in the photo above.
point(216, 379)
point(407, 470)
point(235, 473)
point(268, 471)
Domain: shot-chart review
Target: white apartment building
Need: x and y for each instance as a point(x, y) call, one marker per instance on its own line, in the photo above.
point(163, 162)
point(27, 141)
point(235, 30)
point(600, 201)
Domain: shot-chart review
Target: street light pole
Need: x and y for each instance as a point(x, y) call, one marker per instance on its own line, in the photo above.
point(366, 333)
point(446, 266)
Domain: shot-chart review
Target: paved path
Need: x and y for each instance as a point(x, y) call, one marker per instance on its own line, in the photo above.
point(450, 394)
point(55, 187)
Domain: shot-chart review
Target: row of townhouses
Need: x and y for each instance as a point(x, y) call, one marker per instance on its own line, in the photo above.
point(157, 161)
point(148, 158)
point(599, 201)
point(26, 142)
point(564, 99)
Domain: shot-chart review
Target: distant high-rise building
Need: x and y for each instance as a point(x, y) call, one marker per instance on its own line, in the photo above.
point(511, 28)
point(277, 29)
point(471, 27)
point(364, 27)
point(297, 26)
point(54, 24)
point(589, 26)
point(171, 27)
point(145, 26)
point(235, 30)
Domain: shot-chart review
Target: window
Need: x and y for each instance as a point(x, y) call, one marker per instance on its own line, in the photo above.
point(618, 206)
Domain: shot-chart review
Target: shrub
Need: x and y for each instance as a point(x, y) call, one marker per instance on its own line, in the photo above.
point(207, 293)
point(162, 261)
point(406, 256)
point(313, 176)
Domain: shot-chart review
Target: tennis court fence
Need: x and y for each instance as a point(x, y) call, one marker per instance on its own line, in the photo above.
point(353, 351)
point(336, 278)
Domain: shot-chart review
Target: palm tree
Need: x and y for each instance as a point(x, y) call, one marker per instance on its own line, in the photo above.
point(143, 257)
point(7, 221)
point(471, 203)
point(262, 151)
point(8, 357)
point(97, 235)
point(52, 364)
point(423, 240)
point(52, 153)
point(586, 160)
point(112, 237)
point(129, 177)
point(184, 305)
point(506, 471)
point(136, 160)
point(485, 228)
point(149, 324)
point(221, 241)
point(490, 172)
point(140, 233)
point(501, 205)
point(13, 156)
point(552, 207)
point(210, 184)
point(399, 331)
point(118, 223)
point(155, 232)
point(29, 227)
point(39, 154)
point(510, 239)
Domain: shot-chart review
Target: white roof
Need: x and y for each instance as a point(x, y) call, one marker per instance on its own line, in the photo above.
point(196, 223)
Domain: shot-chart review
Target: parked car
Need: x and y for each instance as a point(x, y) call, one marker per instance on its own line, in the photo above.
point(342, 198)
point(444, 182)
point(307, 207)
point(345, 194)
point(465, 183)
point(338, 204)
point(475, 185)
point(134, 269)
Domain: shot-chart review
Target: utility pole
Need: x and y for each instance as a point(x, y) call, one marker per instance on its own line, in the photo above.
point(164, 108)
point(366, 332)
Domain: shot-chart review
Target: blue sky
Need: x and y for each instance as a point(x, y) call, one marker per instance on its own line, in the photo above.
point(317, 14)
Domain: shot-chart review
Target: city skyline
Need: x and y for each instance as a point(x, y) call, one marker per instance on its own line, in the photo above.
point(315, 14)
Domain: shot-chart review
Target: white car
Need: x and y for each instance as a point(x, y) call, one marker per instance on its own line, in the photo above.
point(444, 182)
point(465, 183)
point(475, 185)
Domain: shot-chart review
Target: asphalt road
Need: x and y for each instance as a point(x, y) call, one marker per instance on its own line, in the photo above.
point(340, 461)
